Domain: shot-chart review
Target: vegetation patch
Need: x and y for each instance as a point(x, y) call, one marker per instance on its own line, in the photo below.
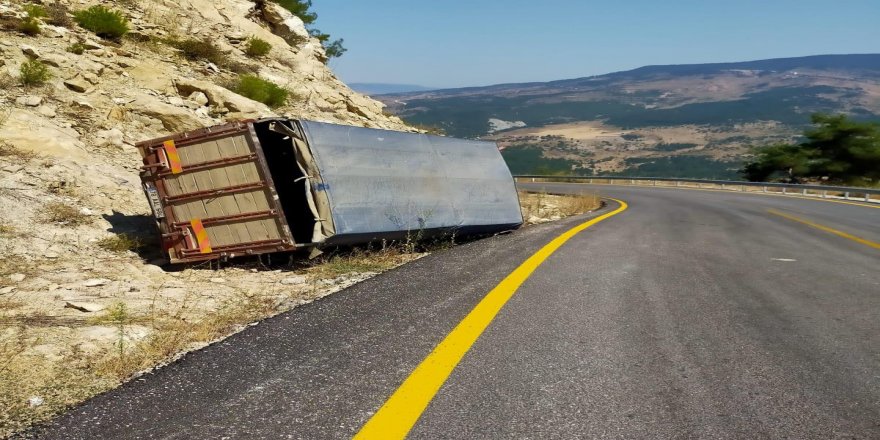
point(196, 49)
point(33, 73)
point(104, 22)
point(59, 15)
point(836, 149)
point(261, 90)
point(695, 167)
point(527, 159)
point(58, 212)
point(76, 48)
point(10, 151)
point(121, 243)
point(257, 47)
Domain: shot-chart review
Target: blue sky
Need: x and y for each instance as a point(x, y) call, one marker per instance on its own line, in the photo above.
point(455, 43)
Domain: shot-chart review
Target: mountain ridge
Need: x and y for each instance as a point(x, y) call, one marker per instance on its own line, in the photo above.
point(703, 117)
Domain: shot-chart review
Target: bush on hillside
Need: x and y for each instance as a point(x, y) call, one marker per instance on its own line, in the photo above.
point(195, 49)
point(105, 23)
point(258, 89)
point(33, 73)
point(58, 15)
point(257, 47)
point(29, 26)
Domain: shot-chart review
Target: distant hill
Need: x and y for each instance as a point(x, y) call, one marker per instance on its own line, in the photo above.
point(382, 88)
point(654, 117)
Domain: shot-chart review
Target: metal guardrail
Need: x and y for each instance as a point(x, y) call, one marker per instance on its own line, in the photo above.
point(823, 191)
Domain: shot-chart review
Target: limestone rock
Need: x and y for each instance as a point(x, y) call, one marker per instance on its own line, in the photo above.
point(95, 282)
point(199, 98)
point(294, 281)
point(283, 22)
point(221, 97)
point(29, 51)
point(77, 84)
point(173, 118)
point(30, 101)
point(86, 307)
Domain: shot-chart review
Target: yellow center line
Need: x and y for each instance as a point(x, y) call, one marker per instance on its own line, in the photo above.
point(402, 410)
point(848, 236)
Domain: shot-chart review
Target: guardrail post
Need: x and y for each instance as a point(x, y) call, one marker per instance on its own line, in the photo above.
point(824, 194)
point(764, 188)
point(655, 183)
point(591, 180)
point(533, 180)
point(677, 183)
point(742, 188)
point(784, 190)
point(867, 197)
point(632, 181)
point(846, 195)
point(723, 186)
point(804, 192)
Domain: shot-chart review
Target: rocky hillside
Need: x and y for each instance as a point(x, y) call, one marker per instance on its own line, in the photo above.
point(83, 303)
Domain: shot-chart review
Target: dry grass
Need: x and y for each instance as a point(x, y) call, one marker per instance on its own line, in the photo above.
point(177, 333)
point(579, 204)
point(59, 212)
point(358, 260)
point(7, 230)
point(33, 388)
point(120, 243)
point(9, 151)
point(540, 207)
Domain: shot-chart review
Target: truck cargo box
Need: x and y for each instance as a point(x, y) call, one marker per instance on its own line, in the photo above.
point(277, 185)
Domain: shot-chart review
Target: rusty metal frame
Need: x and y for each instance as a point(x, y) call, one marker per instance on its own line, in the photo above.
point(174, 232)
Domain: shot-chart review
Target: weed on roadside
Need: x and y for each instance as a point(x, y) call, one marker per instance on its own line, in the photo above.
point(59, 212)
point(121, 243)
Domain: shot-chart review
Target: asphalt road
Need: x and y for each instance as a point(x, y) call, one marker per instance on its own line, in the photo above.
point(691, 315)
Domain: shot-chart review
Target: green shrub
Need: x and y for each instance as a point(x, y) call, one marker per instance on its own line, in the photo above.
point(258, 89)
point(200, 49)
point(105, 23)
point(29, 26)
point(35, 11)
point(34, 73)
point(257, 47)
point(300, 8)
point(76, 48)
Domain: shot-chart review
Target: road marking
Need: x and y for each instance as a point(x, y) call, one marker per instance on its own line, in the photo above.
point(402, 410)
point(868, 243)
point(784, 259)
point(729, 191)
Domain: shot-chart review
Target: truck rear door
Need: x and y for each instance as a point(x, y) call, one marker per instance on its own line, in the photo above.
point(212, 195)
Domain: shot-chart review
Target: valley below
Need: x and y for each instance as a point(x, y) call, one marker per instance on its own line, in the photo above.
point(698, 121)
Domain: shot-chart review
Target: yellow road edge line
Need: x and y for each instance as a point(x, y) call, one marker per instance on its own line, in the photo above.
point(730, 191)
point(403, 409)
point(860, 240)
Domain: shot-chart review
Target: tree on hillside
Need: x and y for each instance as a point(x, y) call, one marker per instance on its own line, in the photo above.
point(301, 8)
point(836, 149)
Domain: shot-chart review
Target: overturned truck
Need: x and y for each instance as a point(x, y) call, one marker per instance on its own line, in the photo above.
point(277, 185)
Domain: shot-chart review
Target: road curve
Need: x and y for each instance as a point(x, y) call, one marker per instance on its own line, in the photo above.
point(693, 314)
